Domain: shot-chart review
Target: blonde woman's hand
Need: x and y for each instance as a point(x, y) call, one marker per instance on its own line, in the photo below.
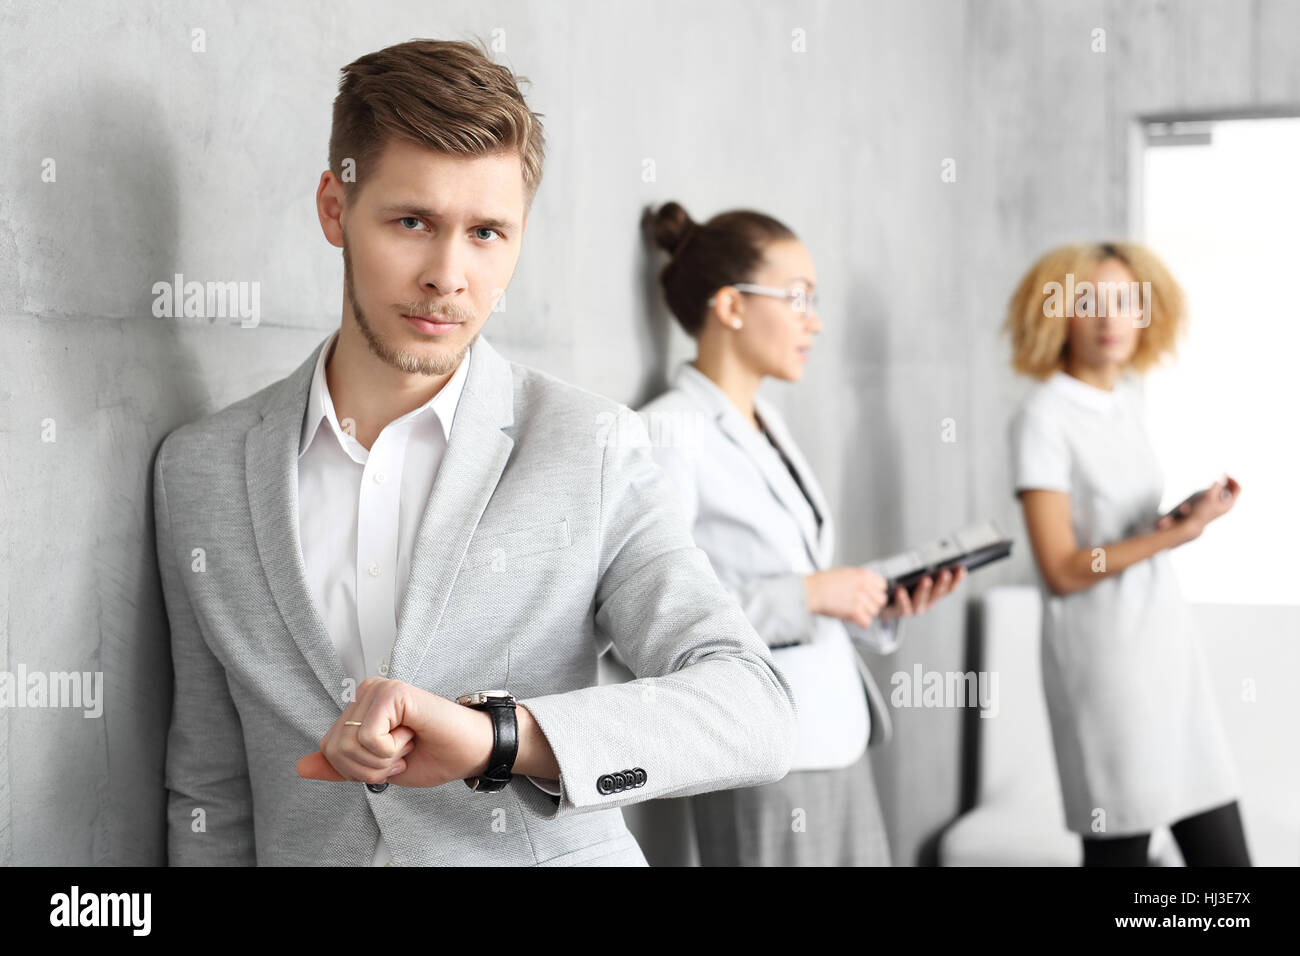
point(1192, 519)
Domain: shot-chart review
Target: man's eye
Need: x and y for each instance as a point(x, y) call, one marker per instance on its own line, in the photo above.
point(482, 229)
point(406, 219)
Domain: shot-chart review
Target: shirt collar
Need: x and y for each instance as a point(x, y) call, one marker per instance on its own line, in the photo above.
point(321, 406)
point(691, 379)
point(1089, 396)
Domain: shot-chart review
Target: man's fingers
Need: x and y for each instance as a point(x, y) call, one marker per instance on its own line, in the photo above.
point(350, 712)
point(314, 766)
point(363, 758)
point(370, 747)
point(355, 751)
point(404, 738)
point(342, 767)
point(377, 741)
point(360, 748)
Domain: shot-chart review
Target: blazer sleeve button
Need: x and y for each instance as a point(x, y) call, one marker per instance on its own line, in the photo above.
point(605, 784)
point(376, 787)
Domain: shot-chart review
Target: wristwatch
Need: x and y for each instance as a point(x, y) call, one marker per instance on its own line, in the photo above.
point(505, 738)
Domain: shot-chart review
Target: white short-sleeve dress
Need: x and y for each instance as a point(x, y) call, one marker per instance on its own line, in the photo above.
point(1137, 735)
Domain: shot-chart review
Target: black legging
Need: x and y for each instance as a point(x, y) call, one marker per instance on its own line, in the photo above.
point(1212, 838)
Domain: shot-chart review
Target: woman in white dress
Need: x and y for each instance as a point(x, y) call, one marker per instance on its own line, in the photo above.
point(1137, 736)
point(743, 286)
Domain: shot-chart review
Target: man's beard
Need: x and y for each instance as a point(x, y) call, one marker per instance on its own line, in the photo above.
point(400, 358)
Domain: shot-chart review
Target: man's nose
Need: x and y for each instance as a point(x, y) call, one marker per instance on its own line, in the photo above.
point(444, 271)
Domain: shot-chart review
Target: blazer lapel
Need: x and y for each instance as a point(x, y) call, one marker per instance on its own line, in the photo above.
point(882, 725)
point(820, 539)
point(271, 474)
point(753, 443)
point(472, 465)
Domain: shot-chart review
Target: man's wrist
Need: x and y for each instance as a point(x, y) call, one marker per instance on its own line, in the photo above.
point(485, 741)
point(535, 757)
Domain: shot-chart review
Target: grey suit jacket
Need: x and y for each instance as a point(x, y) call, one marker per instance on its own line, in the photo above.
point(547, 536)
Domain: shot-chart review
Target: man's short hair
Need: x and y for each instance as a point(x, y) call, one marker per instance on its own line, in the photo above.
point(446, 95)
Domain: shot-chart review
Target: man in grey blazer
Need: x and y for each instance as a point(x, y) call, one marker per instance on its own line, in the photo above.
point(320, 642)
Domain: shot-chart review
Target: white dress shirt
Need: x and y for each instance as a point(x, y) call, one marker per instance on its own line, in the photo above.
point(358, 513)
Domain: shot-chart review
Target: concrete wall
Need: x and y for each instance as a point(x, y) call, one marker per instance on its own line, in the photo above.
point(170, 160)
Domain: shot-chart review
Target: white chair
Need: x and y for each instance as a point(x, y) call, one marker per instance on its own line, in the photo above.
point(1019, 818)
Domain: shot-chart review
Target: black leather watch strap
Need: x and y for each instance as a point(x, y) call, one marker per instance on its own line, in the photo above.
point(505, 745)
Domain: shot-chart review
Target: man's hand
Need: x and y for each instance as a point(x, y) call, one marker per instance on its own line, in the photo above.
point(407, 736)
point(927, 592)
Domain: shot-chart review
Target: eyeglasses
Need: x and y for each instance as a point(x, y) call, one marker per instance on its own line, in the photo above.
point(801, 300)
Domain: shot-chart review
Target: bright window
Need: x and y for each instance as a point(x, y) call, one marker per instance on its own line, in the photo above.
point(1221, 207)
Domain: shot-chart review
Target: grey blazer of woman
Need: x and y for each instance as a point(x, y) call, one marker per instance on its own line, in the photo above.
point(762, 536)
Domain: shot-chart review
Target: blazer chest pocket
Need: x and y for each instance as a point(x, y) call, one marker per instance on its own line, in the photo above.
point(501, 549)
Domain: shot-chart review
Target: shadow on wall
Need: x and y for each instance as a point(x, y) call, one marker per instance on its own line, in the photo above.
point(871, 420)
point(871, 480)
point(655, 331)
point(92, 361)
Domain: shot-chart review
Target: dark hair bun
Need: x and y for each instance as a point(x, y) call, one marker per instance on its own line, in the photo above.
point(670, 225)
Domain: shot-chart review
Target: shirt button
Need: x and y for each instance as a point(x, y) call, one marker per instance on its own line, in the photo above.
point(389, 863)
point(379, 477)
point(375, 570)
point(383, 669)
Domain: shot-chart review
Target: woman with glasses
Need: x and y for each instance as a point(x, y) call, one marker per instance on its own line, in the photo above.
point(744, 287)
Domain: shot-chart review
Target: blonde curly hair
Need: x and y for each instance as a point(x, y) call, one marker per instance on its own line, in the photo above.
point(1040, 336)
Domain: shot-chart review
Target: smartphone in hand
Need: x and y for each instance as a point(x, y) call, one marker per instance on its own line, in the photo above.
point(1181, 510)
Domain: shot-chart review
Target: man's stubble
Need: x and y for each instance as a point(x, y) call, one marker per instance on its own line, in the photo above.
point(400, 358)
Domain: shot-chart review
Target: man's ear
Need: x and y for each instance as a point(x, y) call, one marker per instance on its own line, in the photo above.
point(329, 207)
